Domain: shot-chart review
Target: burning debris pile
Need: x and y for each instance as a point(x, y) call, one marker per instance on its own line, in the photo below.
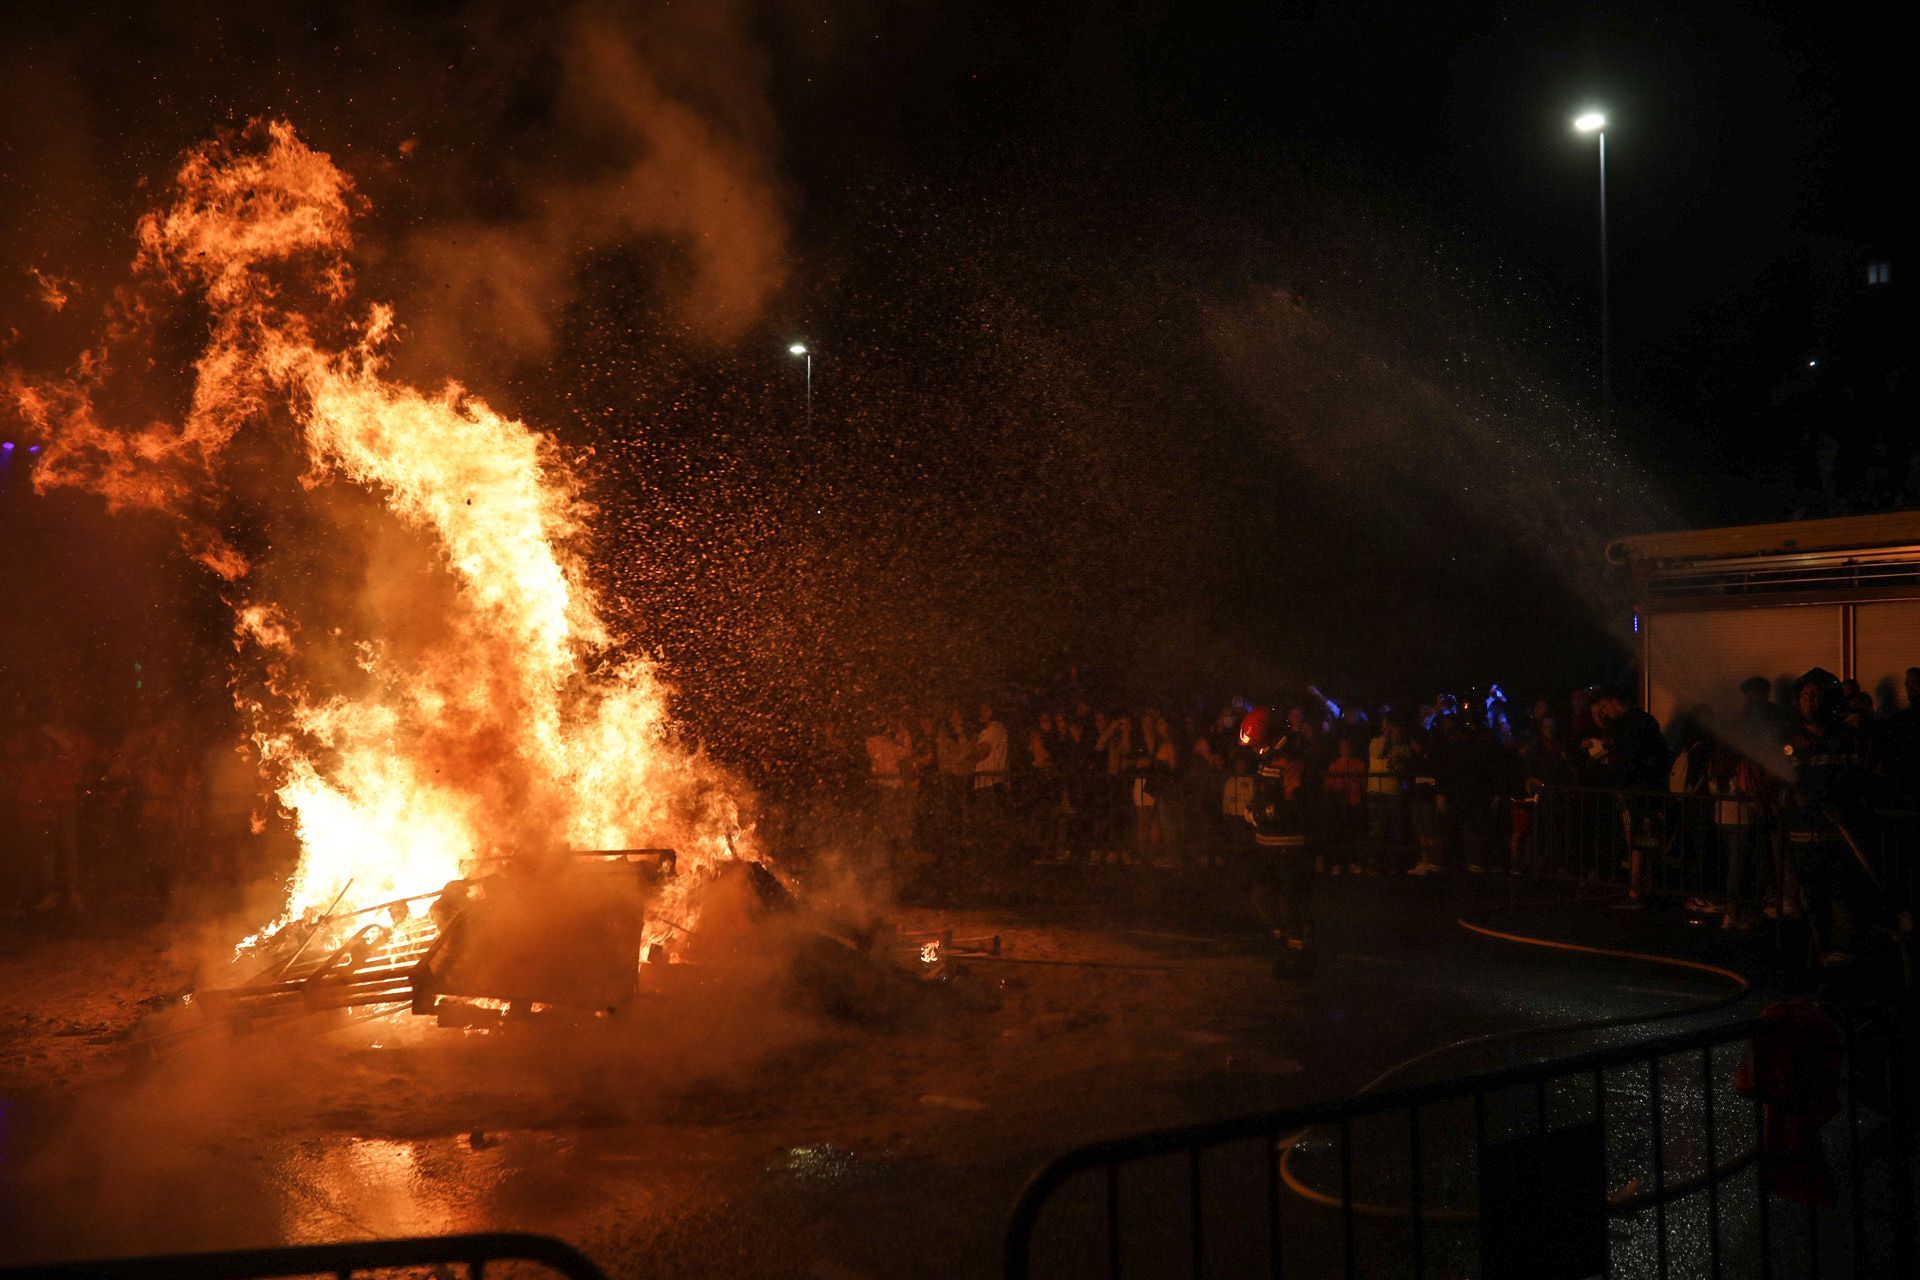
point(563, 939)
point(421, 662)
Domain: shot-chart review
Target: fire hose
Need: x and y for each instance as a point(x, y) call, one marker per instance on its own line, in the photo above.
point(1621, 1202)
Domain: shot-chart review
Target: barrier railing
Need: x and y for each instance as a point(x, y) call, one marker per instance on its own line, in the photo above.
point(1736, 850)
point(1717, 1151)
point(475, 1252)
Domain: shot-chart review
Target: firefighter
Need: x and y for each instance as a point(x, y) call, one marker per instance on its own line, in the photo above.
point(1282, 858)
point(1827, 787)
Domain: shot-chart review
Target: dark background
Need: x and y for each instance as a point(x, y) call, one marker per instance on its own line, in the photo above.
point(1196, 347)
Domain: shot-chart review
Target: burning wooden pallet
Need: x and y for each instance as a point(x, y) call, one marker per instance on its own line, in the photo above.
point(466, 953)
point(375, 965)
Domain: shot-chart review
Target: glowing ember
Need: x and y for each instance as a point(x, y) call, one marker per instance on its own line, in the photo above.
point(929, 952)
point(457, 693)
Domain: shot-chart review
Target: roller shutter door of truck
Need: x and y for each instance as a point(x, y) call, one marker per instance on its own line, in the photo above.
point(1886, 641)
point(1703, 656)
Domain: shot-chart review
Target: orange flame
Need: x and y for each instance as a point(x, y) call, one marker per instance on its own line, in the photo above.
point(492, 709)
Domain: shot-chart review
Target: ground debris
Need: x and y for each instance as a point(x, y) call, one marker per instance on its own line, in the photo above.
point(82, 1029)
point(952, 1103)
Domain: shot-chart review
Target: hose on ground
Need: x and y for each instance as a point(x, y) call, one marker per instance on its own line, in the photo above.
point(1736, 988)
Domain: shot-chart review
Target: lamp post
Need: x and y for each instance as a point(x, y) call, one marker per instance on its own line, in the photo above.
point(1595, 123)
point(800, 349)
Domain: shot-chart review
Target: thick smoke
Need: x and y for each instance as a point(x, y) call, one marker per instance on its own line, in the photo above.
point(505, 149)
point(661, 117)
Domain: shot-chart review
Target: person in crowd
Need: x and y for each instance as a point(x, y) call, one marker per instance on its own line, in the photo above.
point(1544, 763)
point(1098, 784)
point(1695, 737)
point(1903, 747)
point(1691, 737)
point(1355, 727)
point(1144, 788)
point(1759, 730)
point(925, 759)
point(1494, 713)
point(1345, 782)
point(990, 761)
point(1202, 773)
point(1074, 759)
point(1823, 815)
point(1225, 729)
point(889, 765)
point(1089, 786)
point(1468, 765)
point(1041, 784)
point(1308, 744)
point(1545, 760)
point(1423, 806)
point(923, 773)
point(1163, 773)
point(1200, 749)
point(1630, 755)
point(1390, 759)
point(954, 752)
point(1741, 797)
point(1631, 745)
point(1582, 728)
point(1116, 745)
point(1759, 727)
point(1040, 744)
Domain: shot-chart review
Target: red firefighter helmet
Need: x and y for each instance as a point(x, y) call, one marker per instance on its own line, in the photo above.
point(1256, 730)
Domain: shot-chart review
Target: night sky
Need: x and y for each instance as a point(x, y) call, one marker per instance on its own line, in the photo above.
point(1202, 346)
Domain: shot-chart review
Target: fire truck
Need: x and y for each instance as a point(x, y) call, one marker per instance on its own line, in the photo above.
point(1713, 607)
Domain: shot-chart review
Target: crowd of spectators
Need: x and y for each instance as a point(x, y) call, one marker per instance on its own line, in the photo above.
point(1447, 786)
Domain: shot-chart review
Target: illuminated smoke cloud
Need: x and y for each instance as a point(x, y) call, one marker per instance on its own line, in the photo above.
point(668, 107)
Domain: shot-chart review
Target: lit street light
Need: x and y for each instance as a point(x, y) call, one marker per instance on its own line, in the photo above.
point(800, 349)
point(1595, 123)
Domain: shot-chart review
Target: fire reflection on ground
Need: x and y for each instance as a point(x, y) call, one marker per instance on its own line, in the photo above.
point(377, 1186)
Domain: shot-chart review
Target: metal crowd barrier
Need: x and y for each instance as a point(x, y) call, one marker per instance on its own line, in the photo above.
point(475, 1252)
point(1687, 843)
point(1099, 810)
point(1732, 849)
point(1635, 1159)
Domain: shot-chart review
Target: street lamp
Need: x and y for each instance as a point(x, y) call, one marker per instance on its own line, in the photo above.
point(800, 349)
point(1595, 123)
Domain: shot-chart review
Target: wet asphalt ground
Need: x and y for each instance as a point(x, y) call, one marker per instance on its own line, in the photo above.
point(789, 1143)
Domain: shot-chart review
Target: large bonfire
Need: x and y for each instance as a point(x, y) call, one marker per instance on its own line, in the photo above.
point(451, 692)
